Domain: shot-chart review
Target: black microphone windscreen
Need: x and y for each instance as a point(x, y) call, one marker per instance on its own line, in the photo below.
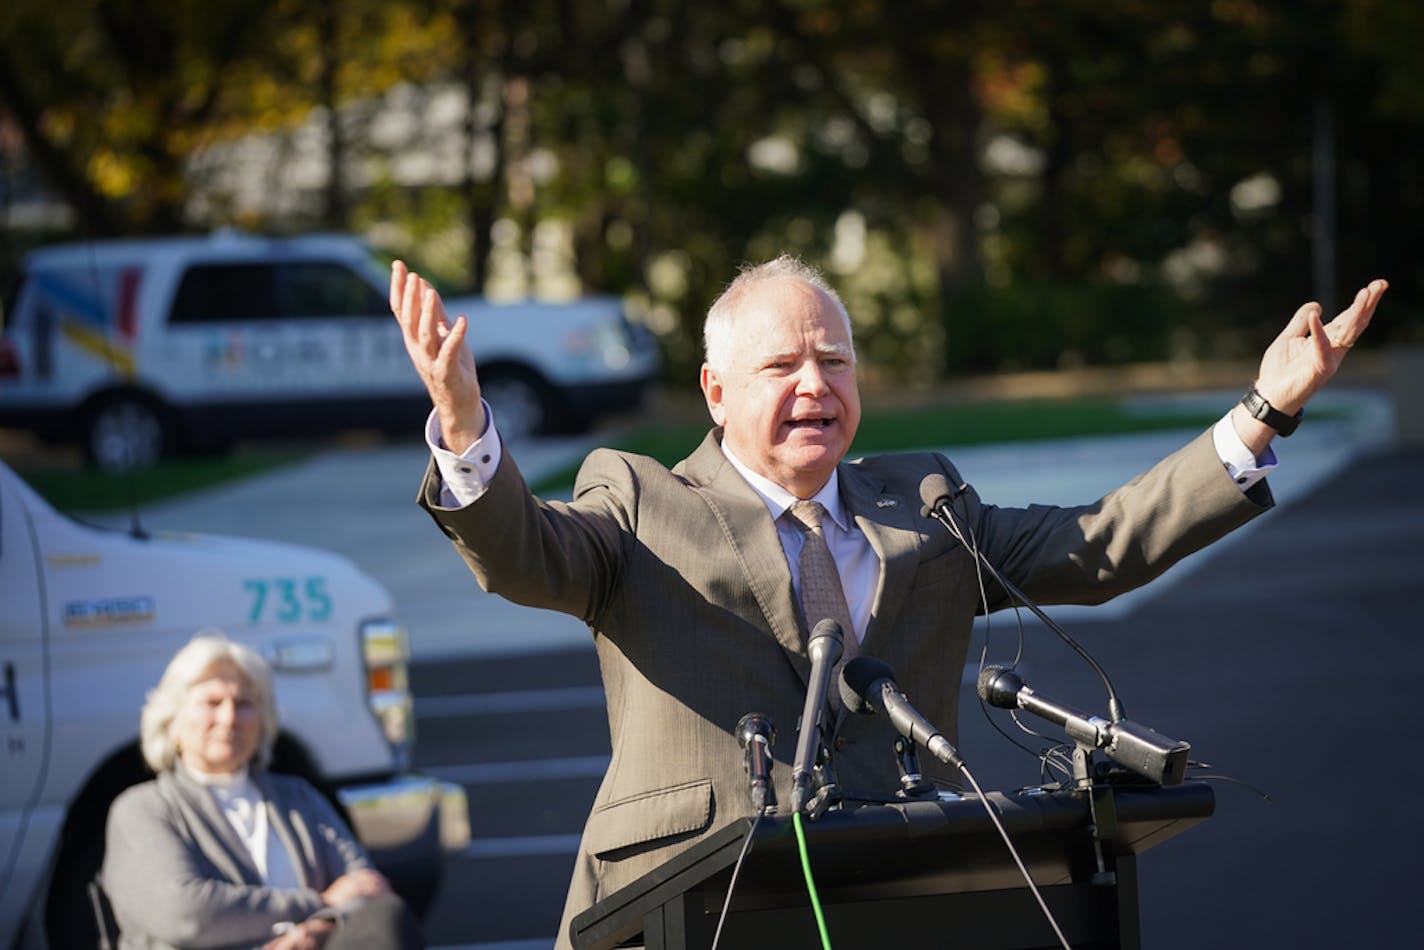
point(853, 701)
point(935, 490)
point(863, 670)
point(999, 686)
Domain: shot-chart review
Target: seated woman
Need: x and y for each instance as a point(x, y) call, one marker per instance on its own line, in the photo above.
point(217, 852)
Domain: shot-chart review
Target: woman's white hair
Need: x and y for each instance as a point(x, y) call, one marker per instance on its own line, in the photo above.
point(208, 649)
point(718, 329)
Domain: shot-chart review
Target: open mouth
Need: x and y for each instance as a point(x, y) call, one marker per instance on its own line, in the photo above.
point(819, 422)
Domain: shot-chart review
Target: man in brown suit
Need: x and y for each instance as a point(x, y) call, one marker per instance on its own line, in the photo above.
point(688, 578)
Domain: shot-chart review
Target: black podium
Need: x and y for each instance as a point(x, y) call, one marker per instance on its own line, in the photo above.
point(933, 873)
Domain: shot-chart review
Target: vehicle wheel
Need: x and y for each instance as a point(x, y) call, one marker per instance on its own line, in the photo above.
point(523, 404)
point(125, 433)
point(69, 917)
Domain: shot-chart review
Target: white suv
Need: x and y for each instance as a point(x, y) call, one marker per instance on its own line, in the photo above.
point(136, 348)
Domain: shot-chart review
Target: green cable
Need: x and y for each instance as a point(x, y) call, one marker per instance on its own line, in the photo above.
point(811, 882)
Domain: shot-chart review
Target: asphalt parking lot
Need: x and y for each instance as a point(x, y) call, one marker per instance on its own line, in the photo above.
point(1288, 656)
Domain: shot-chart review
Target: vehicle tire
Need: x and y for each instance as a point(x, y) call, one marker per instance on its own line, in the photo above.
point(523, 404)
point(125, 433)
point(69, 915)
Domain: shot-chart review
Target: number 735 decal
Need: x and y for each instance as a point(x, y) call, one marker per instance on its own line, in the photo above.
point(287, 599)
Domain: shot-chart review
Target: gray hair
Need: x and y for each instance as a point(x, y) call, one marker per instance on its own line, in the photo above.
point(190, 665)
point(717, 330)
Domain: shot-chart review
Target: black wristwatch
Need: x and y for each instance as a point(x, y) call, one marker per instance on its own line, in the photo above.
point(1256, 404)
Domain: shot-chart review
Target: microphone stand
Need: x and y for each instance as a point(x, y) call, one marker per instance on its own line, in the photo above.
point(912, 781)
point(1102, 811)
point(824, 648)
point(828, 790)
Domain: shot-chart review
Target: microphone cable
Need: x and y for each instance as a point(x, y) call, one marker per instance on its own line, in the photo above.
point(944, 513)
point(998, 826)
point(971, 544)
point(750, 728)
point(1014, 853)
point(810, 881)
point(736, 870)
point(859, 681)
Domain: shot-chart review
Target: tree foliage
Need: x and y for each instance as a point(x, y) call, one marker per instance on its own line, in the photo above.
point(1012, 184)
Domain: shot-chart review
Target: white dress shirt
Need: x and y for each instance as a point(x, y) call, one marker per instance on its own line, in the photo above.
point(465, 476)
point(241, 802)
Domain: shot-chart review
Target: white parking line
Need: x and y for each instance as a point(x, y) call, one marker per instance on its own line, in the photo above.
point(524, 700)
point(528, 846)
point(543, 944)
point(486, 773)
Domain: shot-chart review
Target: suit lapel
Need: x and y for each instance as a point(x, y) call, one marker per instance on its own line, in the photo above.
point(890, 521)
point(277, 819)
point(891, 524)
point(231, 856)
point(751, 535)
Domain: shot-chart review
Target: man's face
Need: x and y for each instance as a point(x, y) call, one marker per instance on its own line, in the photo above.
point(787, 396)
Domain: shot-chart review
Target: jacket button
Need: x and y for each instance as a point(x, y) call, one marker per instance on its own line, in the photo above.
point(841, 742)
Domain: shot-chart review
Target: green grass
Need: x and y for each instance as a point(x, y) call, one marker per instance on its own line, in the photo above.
point(85, 489)
point(895, 430)
point(881, 430)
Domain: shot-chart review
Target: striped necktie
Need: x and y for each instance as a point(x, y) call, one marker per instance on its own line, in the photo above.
point(821, 593)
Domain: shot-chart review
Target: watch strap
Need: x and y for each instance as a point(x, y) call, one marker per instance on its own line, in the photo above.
point(1259, 408)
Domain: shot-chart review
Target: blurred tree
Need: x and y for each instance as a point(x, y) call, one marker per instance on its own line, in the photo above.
point(112, 96)
point(1070, 174)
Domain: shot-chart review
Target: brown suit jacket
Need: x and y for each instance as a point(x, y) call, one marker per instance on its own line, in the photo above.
point(681, 577)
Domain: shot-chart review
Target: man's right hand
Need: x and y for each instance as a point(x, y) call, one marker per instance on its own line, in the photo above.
point(438, 351)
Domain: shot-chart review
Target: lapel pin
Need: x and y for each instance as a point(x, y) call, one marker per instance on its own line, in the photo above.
point(885, 503)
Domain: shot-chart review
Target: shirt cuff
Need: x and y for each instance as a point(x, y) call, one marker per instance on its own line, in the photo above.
point(1241, 464)
point(463, 478)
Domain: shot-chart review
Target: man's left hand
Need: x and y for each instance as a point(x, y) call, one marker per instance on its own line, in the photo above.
point(1307, 353)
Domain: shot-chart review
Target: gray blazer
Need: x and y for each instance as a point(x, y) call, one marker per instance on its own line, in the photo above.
point(177, 874)
point(682, 580)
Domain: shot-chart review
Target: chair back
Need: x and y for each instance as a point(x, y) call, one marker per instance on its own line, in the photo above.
point(103, 916)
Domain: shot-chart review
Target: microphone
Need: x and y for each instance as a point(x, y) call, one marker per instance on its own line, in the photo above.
point(757, 735)
point(936, 493)
point(824, 647)
point(868, 686)
point(1002, 688)
point(1137, 748)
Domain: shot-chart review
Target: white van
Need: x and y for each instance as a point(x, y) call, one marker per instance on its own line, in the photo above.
point(89, 618)
point(136, 348)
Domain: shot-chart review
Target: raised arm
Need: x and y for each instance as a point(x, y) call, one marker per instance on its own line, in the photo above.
point(1303, 358)
point(438, 351)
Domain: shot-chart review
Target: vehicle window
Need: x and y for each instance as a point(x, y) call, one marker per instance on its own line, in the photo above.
point(214, 293)
point(325, 289)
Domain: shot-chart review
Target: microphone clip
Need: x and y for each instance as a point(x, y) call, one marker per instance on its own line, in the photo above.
point(828, 790)
point(912, 781)
point(822, 789)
